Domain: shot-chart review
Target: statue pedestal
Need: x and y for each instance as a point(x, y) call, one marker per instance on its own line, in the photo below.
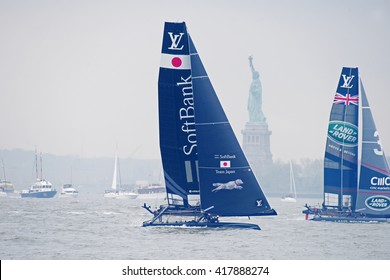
point(256, 145)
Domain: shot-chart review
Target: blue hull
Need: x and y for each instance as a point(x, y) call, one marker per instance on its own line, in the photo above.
point(222, 225)
point(49, 194)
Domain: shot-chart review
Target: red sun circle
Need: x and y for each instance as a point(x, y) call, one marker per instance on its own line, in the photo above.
point(176, 62)
point(225, 164)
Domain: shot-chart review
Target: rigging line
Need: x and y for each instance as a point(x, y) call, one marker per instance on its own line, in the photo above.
point(2, 161)
point(212, 123)
point(375, 168)
point(200, 77)
point(230, 168)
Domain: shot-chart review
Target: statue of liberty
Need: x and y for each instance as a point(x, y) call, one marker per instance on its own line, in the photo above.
point(255, 97)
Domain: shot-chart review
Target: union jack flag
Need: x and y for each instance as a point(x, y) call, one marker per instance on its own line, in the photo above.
point(347, 99)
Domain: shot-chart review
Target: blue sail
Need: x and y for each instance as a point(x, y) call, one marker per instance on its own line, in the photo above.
point(178, 139)
point(341, 154)
point(374, 182)
point(228, 186)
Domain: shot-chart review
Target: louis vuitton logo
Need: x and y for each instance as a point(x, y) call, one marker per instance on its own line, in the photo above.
point(347, 81)
point(175, 41)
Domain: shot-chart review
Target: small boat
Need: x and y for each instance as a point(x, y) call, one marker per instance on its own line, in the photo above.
point(69, 191)
point(6, 188)
point(292, 196)
point(356, 183)
point(207, 175)
point(150, 188)
point(41, 188)
point(118, 192)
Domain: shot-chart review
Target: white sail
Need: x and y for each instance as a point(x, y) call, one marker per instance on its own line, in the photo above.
point(113, 186)
point(292, 196)
point(293, 190)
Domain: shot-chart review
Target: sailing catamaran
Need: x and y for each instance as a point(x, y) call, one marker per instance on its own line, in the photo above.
point(205, 170)
point(347, 199)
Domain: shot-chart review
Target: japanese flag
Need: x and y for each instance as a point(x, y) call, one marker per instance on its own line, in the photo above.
point(224, 163)
point(181, 62)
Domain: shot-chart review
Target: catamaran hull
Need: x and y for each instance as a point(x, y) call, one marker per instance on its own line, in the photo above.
point(341, 217)
point(350, 219)
point(221, 225)
point(49, 194)
point(202, 220)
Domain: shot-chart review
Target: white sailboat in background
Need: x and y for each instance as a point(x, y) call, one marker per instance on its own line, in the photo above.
point(116, 192)
point(292, 196)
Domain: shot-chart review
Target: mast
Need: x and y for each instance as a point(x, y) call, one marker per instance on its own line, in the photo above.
point(292, 181)
point(2, 161)
point(41, 166)
point(36, 164)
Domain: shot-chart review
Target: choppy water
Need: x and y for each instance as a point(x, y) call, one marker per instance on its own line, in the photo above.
point(94, 227)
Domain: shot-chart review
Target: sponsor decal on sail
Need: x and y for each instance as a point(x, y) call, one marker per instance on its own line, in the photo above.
point(180, 62)
point(380, 181)
point(232, 185)
point(176, 60)
point(187, 114)
point(343, 133)
point(378, 202)
point(346, 99)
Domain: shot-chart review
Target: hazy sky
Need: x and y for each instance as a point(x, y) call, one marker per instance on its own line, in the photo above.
point(78, 77)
